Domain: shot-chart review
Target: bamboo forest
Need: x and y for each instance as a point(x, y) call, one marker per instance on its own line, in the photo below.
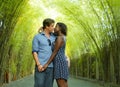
point(93, 40)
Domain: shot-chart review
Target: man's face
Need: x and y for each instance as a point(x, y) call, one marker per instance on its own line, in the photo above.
point(51, 28)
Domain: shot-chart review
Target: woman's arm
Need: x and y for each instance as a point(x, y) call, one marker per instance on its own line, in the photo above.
point(58, 43)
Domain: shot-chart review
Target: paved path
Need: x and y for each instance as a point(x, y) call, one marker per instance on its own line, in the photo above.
point(29, 81)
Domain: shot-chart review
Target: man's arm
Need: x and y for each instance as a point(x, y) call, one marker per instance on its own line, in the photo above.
point(35, 56)
point(35, 49)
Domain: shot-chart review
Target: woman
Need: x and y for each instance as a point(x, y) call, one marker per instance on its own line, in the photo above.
point(60, 63)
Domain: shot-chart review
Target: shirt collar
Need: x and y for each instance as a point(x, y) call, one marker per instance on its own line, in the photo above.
point(43, 33)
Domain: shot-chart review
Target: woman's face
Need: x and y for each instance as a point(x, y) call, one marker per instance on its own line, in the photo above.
point(57, 29)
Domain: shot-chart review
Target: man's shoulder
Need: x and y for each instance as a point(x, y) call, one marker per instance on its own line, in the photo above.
point(37, 35)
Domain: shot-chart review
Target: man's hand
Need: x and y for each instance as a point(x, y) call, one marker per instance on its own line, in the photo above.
point(40, 68)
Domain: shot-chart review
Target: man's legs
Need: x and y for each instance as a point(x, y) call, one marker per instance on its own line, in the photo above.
point(49, 77)
point(39, 78)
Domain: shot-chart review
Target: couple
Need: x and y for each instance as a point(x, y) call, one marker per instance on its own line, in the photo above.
point(48, 50)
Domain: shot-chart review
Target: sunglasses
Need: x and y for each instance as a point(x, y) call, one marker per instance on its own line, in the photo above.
point(49, 42)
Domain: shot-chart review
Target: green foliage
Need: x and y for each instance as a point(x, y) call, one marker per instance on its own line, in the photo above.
point(92, 41)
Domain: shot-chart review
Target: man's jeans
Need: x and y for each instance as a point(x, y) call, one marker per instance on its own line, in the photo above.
point(44, 79)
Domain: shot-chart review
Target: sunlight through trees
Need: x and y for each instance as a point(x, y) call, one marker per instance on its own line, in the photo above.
point(92, 42)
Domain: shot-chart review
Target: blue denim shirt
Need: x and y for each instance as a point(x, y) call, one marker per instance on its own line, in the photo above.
point(42, 46)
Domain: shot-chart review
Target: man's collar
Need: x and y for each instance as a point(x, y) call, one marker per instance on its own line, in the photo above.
point(43, 33)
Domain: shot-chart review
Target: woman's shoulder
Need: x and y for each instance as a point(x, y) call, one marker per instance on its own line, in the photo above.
point(61, 38)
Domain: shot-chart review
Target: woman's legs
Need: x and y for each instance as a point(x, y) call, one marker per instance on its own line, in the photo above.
point(66, 84)
point(62, 83)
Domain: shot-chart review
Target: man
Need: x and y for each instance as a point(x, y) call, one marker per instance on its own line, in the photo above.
point(41, 50)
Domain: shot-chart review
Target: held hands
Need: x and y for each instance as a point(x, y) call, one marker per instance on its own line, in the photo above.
point(42, 68)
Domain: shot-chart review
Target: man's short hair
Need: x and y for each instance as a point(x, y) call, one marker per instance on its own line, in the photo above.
point(47, 22)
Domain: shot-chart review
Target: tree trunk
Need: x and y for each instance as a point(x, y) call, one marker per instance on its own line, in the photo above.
point(112, 70)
